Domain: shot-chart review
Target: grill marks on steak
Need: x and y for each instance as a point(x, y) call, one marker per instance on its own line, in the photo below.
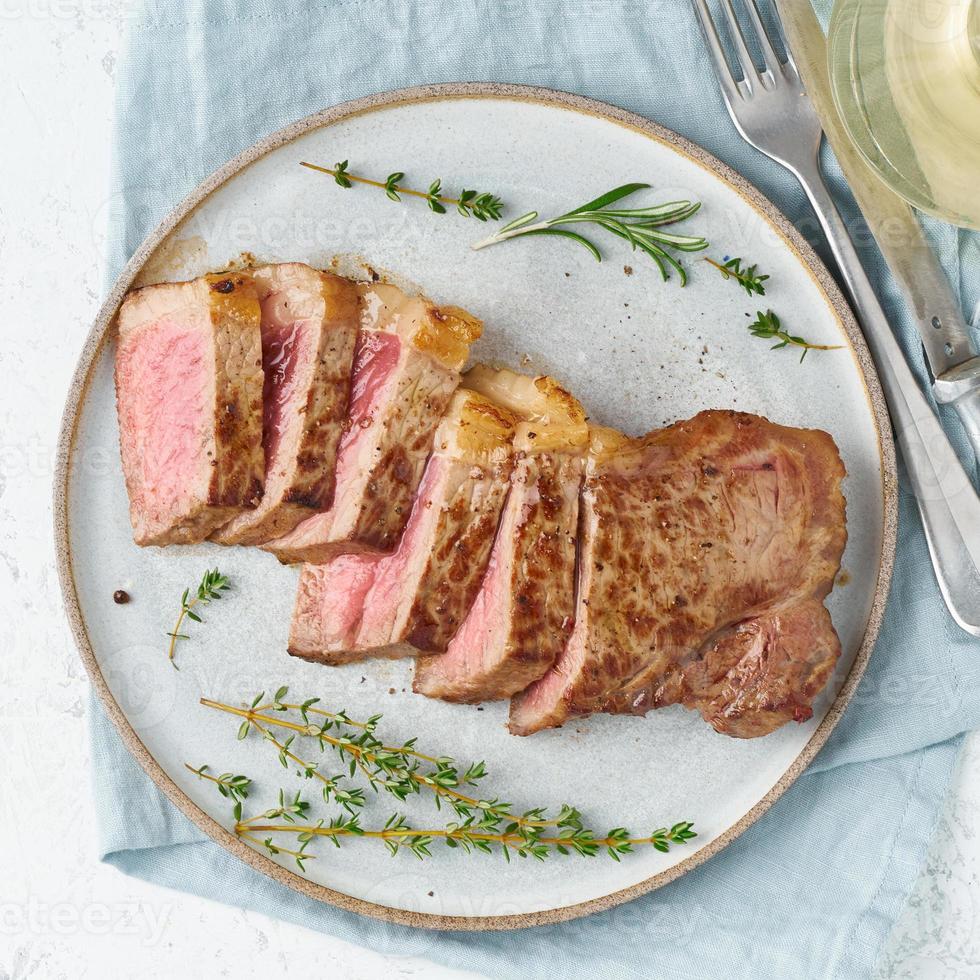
point(707, 549)
point(189, 402)
point(309, 328)
point(406, 368)
point(362, 605)
point(520, 619)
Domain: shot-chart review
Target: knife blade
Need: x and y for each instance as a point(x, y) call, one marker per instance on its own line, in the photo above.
point(953, 537)
point(949, 349)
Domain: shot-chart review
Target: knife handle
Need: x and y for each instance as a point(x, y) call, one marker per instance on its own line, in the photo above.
point(960, 388)
point(947, 500)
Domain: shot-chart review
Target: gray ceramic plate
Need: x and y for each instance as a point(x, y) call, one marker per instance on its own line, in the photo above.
point(637, 351)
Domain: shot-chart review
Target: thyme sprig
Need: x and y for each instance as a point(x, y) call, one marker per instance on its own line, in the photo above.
point(229, 785)
point(469, 836)
point(767, 326)
point(750, 280)
point(643, 228)
point(400, 770)
point(349, 799)
point(484, 825)
point(212, 585)
point(482, 206)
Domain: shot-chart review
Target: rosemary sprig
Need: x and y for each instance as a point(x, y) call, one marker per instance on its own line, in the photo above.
point(641, 227)
point(482, 206)
point(748, 279)
point(212, 585)
point(767, 326)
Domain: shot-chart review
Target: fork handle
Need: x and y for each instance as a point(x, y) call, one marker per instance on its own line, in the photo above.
point(948, 503)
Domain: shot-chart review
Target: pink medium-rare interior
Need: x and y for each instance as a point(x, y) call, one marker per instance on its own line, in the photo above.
point(288, 334)
point(541, 704)
point(387, 605)
point(482, 636)
point(287, 361)
point(358, 602)
point(375, 362)
point(166, 400)
point(329, 602)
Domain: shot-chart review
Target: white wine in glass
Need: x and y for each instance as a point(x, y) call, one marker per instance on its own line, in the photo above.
point(906, 80)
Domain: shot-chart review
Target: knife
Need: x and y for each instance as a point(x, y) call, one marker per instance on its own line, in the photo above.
point(949, 351)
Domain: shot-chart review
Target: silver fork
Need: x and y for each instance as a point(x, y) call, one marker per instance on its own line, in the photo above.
point(771, 110)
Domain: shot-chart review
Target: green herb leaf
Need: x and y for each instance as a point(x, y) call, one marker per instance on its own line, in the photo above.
point(470, 203)
point(641, 227)
point(767, 326)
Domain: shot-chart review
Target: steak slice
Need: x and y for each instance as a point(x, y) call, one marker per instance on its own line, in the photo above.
point(189, 403)
point(521, 617)
point(309, 327)
point(406, 368)
point(362, 605)
point(706, 551)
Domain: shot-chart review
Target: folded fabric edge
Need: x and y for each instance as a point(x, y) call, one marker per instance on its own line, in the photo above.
point(166, 849)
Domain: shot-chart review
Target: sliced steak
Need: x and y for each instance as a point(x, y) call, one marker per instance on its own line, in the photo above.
point(706, 551)
point(406, 368)
point(309, 327)
point(189, 402)
point(361, 605)
point(521, 617)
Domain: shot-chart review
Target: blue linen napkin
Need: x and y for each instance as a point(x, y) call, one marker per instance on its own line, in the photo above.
point(813, 888)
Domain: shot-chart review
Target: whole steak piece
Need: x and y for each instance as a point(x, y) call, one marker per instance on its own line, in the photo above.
point(406, 368)
point(369, 605)
point(521, 617)
point(706, 551)
point(189, 403)
point(309, 328)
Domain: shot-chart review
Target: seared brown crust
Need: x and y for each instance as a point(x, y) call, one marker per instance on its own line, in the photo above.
point(398, 461)
point(312, 484)
point(238, 478)
point(371, 605)
point(698, 537)
point(301, 473)
point(380, 465)
point(763, 672)
point(519, 619)
point(339, 658)
point(402, 452)
point(454, 569)
point(541, 614)
point(540, 598)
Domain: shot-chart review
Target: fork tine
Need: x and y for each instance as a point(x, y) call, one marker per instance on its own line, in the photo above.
point(790, 64)
point(769, 56)
point(749, 72)
point(729, 88)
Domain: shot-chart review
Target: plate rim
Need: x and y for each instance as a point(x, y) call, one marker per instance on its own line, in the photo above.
point(92, 348)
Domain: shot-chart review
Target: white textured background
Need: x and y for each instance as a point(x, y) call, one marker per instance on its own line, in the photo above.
point(62, 914)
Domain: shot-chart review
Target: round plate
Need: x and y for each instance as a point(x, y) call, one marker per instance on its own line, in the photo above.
point(637, 351)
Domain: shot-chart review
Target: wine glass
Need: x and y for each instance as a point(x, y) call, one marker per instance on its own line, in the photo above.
point(906, 80)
